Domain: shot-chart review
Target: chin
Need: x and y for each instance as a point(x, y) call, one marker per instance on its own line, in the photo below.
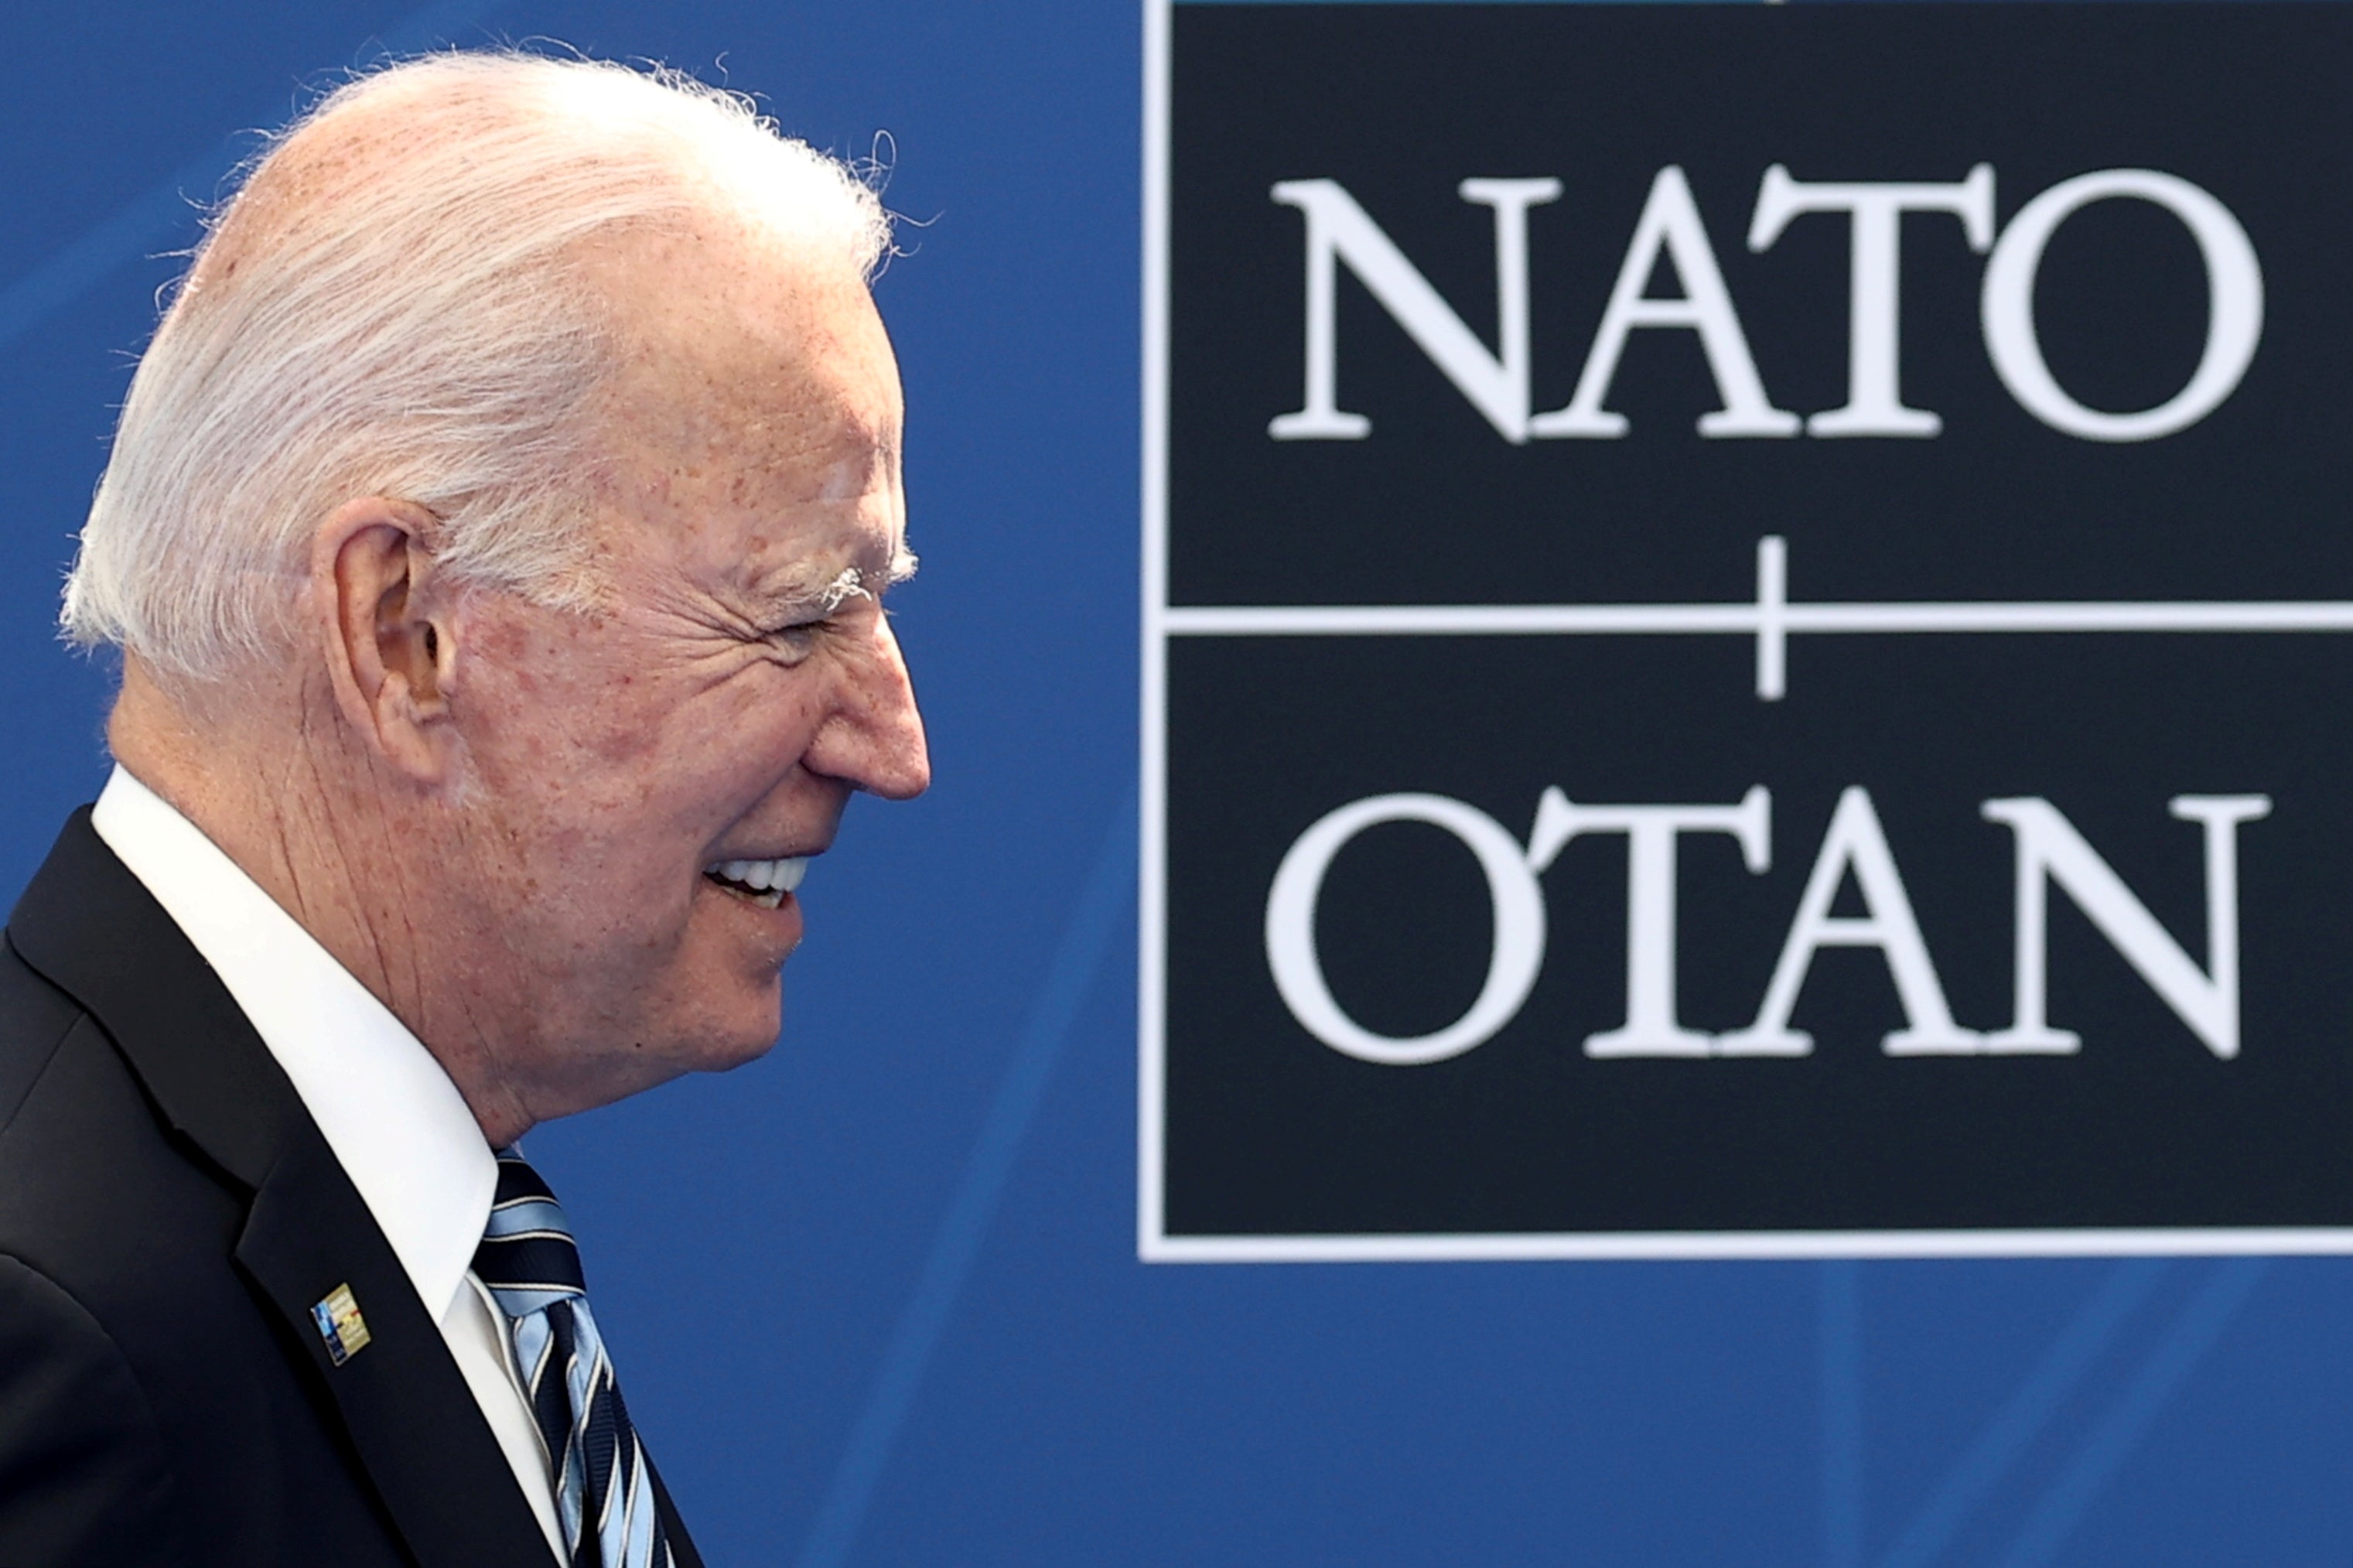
point(742, 1033)
point(711, 1014)
point(727, 1057)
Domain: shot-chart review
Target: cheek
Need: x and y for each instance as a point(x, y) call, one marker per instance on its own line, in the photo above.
point(753, 729)
point(628, 723)
point(568, 724)
point(649, 797)
point(620, 776)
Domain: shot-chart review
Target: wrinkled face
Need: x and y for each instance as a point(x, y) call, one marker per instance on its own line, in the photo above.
point(649, 783)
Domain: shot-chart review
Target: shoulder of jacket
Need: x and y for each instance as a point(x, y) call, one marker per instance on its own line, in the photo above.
point(35, 1018)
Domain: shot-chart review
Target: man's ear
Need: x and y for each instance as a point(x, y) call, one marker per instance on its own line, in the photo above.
point(386, 631)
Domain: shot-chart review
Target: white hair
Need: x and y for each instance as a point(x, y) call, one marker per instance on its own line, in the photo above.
point(392, 305)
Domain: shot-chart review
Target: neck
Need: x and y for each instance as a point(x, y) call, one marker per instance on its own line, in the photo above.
point(268, 773)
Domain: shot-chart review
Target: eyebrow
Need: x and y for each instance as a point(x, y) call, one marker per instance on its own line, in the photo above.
point(800, 589)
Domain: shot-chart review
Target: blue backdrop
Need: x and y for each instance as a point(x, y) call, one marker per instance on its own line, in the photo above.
point(876, 1297)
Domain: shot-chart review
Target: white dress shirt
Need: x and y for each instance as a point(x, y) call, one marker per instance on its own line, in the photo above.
point(396, 1122)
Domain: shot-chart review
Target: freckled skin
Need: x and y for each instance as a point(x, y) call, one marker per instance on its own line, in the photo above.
point(533, 904)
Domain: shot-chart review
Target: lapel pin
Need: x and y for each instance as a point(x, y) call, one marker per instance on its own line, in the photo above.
point(337, 1313)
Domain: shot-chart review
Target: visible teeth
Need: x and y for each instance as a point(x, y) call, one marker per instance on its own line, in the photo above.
point(777, 876)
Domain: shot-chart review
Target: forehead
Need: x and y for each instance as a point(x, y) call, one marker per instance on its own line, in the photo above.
point(724, 342)
point(754, 411)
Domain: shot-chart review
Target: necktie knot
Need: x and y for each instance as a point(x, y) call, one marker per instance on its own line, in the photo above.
point(527, 1258)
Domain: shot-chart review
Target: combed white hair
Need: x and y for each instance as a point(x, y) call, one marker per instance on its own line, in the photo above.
point(392, 305)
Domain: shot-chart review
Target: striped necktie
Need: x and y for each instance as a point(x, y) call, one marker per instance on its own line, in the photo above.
point(604, 1483)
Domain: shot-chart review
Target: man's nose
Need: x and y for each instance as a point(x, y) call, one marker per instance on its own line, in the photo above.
point(874, 739)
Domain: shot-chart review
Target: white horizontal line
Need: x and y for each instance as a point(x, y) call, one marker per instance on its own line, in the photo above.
point(1456, 620)
point(1704, 1245)
point(1746, 619)
point(1771, 618)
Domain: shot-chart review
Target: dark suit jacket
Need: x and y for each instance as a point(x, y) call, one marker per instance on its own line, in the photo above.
point(168, 1214)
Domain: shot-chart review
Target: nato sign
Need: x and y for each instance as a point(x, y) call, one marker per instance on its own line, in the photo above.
point(1749, 632)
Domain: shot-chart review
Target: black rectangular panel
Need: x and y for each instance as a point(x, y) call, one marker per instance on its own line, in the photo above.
point(2059, 626)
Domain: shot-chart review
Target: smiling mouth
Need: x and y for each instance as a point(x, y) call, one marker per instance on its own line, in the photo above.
point(761, 882)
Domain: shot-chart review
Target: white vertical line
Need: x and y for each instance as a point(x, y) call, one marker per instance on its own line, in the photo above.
point(1772, 624)
point(1152, 760)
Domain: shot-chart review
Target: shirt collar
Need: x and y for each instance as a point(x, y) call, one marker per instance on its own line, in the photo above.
point(396, 1122)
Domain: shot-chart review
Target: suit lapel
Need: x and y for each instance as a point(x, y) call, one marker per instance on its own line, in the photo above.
point(88, 926)
point(410, 1413)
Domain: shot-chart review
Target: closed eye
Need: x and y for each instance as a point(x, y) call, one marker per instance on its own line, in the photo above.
point(794, 640)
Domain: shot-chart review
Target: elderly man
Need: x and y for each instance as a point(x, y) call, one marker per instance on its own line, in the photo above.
point(494, 538)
